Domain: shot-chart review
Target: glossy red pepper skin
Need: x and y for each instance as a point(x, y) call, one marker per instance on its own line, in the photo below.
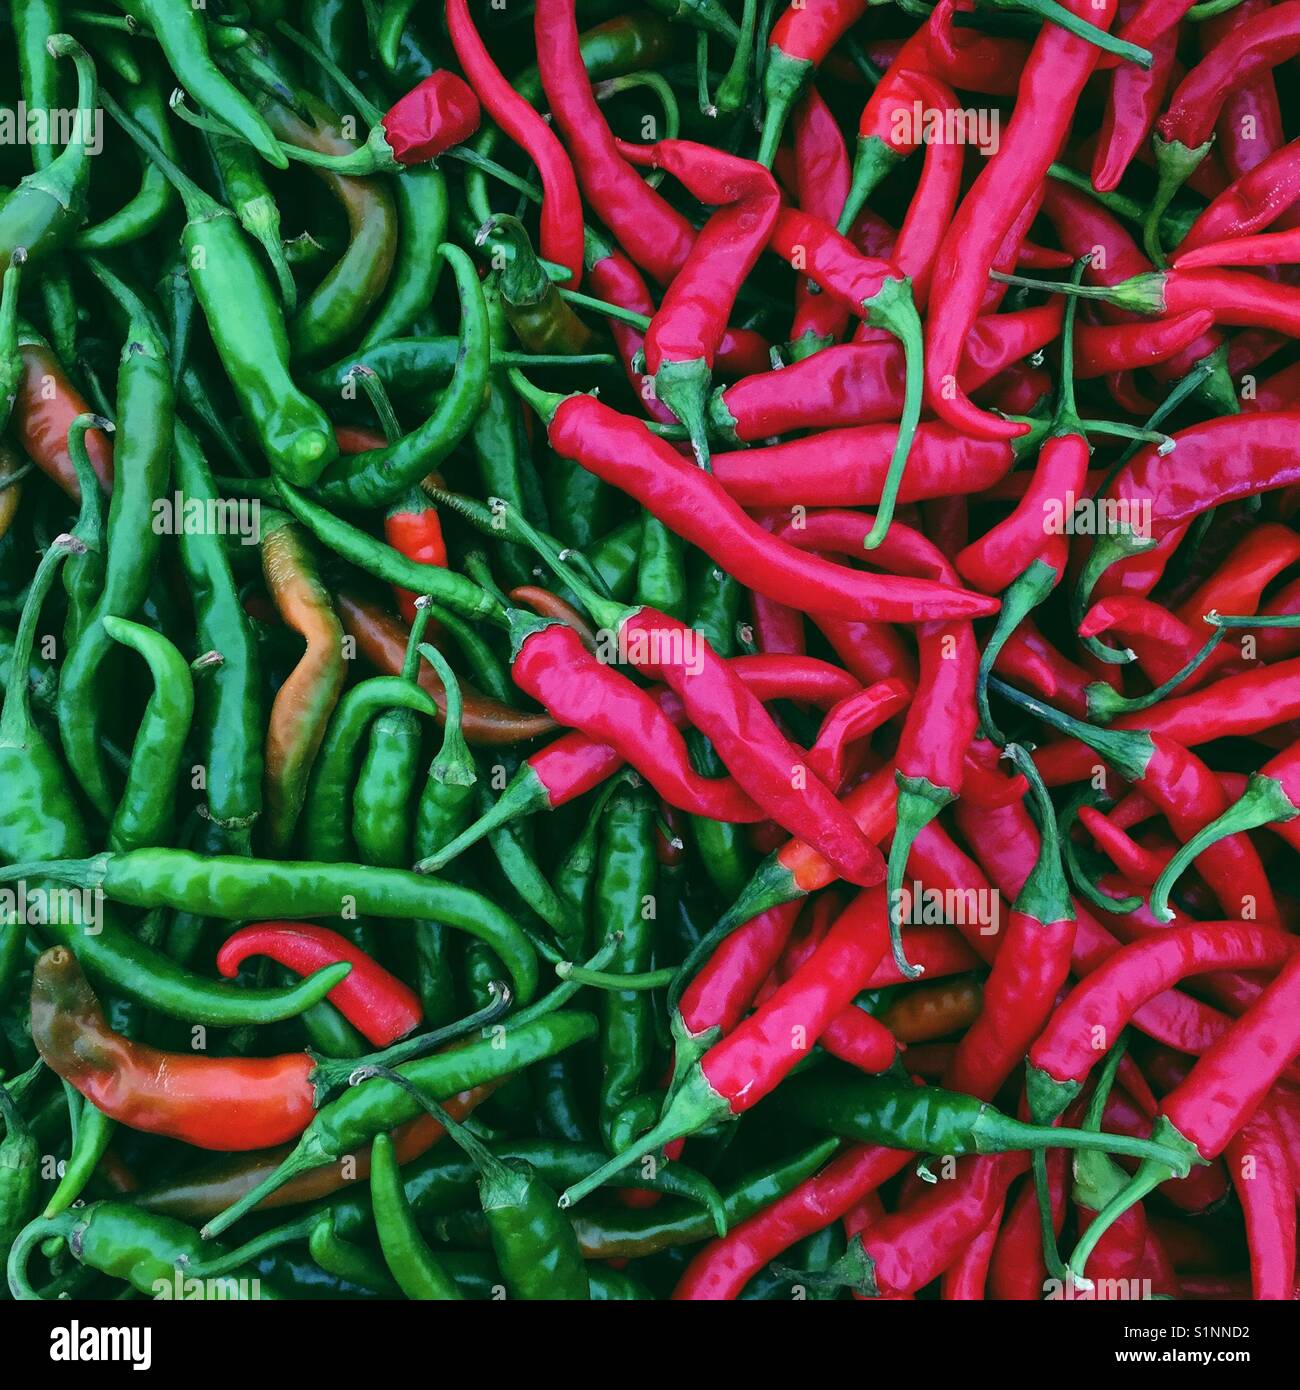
point(1252, 202)
point(967, 1279)
point(1132, 106)
point(862, 383)
point(371, 998)
point(821, 182)
point(723, 1267)
point(561, 233)
point(437, 113)
point(847, 467)
point(553, 666)
point(1053, 78)
point(222, 1103)
point(1260, 1167)
point(1262, 42)
point(648, 228)
point(693, 504)
point(414, 529)
point(1101, 1005)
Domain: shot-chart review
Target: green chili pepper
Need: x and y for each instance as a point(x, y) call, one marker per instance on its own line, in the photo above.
point(83, 577)
point(182, 34)
point(149, 1252)
point(575, 879)
point(142, 453)
point(245, 889)
point(625, 887)
point(146, 813)
point(250, 199)
point(20, 1170)
point(323, 831)
point(248, 329)
point(376, 476)
point(145, 211)
point(535, 1247)
point(377, 1105)
point(94, 1131)
point(879, 1110)
point(381, 821)
point(230, 721)
point(410, 1261)
point(43, 211)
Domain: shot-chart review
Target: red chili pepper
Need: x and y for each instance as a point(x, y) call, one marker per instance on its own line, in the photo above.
point(1053, 78)
point(1132, 106)
point(800, 40)
point(875, 290)
point(862, 383)
point(723, 1268)
point(1121, 347)
point(576, 763)
point(1272, 798)
point(682, 341)
point(1220, 1094)
point(821, 182)
point(553, 666)
point(1251, 202)
point(1032, 964)
point(412, 527)
point(692, 504)
point(1191, 798)
point(1018, 1271)
point(437, 113)
point(45, 405)
point(561, 232)
point(752, 1060)
point(1161, 642)
point(941, 721)
point(1258, 1160)
point(223, 1103)
point(372, 999)
point(648, 228)
point(1095, 1013)
point(1262, 42)
point(1236, 705)
point(850, 467)
point(1269, 248)
point(967, 1279)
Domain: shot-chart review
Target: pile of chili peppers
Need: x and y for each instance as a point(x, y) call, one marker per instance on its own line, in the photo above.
point(650, 651)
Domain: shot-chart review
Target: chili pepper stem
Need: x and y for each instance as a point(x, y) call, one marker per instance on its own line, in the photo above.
point(919, 802)
point(1083, 884)
point(893, 309)
point(872, 162)
point(1150, 1174)
point(783, 80)
point(1018, 601)
point(600, 979)
point(1129, 753)
point(694, 1105)
point(1265, 800)
point(1105, 703)
point(331, 1073)
point(1175, 164)
point(684, 388)
point(33, 1234)
point(1109, 550)
point(1058, 14)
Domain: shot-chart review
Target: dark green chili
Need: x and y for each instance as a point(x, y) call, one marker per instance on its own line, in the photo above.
point(146, 813)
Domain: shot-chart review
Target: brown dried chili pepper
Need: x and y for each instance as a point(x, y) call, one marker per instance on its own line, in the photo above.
point(382, 640)
point(226, 1103)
